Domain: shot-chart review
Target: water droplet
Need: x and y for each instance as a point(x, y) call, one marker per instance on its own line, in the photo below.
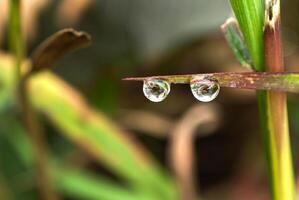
point(156, 90)
point(204, 90)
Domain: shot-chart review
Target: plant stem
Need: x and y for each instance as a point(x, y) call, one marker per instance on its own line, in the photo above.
point(253, 20)
point(29, 118)
point(16, 45)
point(275, 111)
point(39, 145)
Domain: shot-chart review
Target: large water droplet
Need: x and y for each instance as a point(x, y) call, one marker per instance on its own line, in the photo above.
point(204, 90)
point(156, 90)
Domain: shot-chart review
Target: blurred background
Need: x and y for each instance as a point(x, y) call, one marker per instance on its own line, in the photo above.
point(102, 139)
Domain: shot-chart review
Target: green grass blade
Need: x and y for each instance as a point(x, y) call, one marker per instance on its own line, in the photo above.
point(236, 41)
point(94, 133)
point(70, 182)
point(75, 183)
point(250, 16)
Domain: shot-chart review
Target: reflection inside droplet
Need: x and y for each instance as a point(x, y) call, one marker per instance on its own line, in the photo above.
point(204, 90)
point(156, 90)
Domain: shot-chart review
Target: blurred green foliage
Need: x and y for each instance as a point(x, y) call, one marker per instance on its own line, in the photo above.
point(91, 131)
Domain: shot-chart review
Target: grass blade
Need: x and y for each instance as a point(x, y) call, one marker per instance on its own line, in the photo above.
point(250, 16)
point(236, 41)
point(93, 132)
point(69, 181)
point(75, 183)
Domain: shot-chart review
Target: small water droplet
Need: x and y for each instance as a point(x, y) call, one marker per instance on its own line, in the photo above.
point(156, 90)
point(204, 90)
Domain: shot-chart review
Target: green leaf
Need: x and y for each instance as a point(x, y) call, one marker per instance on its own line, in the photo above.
point(78, 183)
point(92, 131)
point(250, 16)
point(16, 158)
point(236, 41)
point(71, 182)
point(95, 133)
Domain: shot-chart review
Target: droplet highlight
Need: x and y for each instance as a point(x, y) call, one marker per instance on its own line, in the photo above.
point(204, 90)
point(156, 90)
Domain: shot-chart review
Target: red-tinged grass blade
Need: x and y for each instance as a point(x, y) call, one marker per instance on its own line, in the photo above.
point(277, 118)
point(287, 81)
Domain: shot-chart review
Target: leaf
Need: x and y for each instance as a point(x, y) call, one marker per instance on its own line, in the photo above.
point(79, 183)
point(16, 158)
point(235, 39)
point(250, 16)
point(94, 133)
point(7, 81)
point(57, 46)
point(69, 181)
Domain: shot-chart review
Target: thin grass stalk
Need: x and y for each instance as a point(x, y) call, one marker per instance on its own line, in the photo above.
point(31, 123)
point(16, 44)
point(281, 82)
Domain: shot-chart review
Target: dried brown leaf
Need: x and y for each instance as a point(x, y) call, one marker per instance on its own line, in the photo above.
point(57, 46)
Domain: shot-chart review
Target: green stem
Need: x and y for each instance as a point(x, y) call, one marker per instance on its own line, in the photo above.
point(16, 44)
point(31, 123)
